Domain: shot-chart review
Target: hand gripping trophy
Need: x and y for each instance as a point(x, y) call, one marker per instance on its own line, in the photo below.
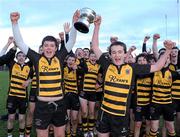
point(87, 17)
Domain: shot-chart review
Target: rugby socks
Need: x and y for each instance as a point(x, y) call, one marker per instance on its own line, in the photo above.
point(80, 126)
point(51, 132)
point(21, 132)
point(91, 124)
point(73, 134)
point(152, 133)
point(85, 125)
point(28, 129)
point(68, 134)
point(131, 134)
point(172, 134)
point(10, 132)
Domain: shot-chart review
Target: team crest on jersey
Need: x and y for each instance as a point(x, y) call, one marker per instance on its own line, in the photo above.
point(169, 78)
point(27, 71)
point(55, 60)
point(127, 71)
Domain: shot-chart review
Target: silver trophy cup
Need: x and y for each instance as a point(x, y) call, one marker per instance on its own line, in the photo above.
point(87, 17)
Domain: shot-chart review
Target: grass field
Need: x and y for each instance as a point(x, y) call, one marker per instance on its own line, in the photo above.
point(4, 79)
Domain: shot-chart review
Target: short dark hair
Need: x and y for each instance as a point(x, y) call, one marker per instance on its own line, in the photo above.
point(91, 52)
point(141, 55)
point(50, 38)
point(151, 57)
point(161, 50)
point(86, 49)
point(175, 48)
point(72, 55)
point(118, 43)
point(20, 52)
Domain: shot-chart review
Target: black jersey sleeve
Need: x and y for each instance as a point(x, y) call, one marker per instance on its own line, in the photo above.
point(141, 69)
point(8, 57)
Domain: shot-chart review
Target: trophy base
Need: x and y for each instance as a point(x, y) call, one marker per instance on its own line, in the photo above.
point(81, 27)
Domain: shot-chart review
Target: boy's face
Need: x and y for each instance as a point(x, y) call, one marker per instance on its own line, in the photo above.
point(49, 49)
point(117, 54)
point(174, 53)
point(21, 57)
point(152, 61)
point(79, 53)
point(141, 60)
point(71, 61)
point(86, 54)
point(92, 58)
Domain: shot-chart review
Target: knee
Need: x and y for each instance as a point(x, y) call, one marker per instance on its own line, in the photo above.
point(21, 120)
point(84, 114)
point(91, 114)
point(31, 112)
point(170, 127)
point(11, 119)
point(74, 121)
point(138, 125)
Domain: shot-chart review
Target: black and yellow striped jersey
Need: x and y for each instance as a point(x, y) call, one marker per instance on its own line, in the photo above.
point(70, 80)
point(34, 83)
point(90, 77)
point(50, 77)
point(18, 75)
point(82, 69)
point(49, 73)
point(118, 83)
point(117, 86)
point(162, 82)
point(143, 91)
point(175, 89)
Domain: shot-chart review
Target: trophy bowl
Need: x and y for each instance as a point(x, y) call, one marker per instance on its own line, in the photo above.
point(87, 17)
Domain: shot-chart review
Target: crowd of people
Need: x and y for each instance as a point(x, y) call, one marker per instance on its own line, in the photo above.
point(90, 93)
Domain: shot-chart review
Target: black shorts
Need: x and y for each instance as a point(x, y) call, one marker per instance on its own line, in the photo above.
point(116, 125)
point(99, 96)
point(72, 101)
point(14, 103)
point(90, 96)
point(47, 113)
point(133, 101)
point(140, 112)
point(167, 110)
point(32, 95)
point(177, 105)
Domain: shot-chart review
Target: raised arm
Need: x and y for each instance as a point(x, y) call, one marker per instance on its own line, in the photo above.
point(10, 41)
point(154, 45)
point(95, 37)
point(9, 56)
point(67, 29)
point(72, 37)
point(146, 38)
point(14, 16)
point(161, 62)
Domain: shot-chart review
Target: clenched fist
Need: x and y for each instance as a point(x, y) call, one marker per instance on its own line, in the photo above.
point(156, 36)
point(168, 44)
point(14, 16)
